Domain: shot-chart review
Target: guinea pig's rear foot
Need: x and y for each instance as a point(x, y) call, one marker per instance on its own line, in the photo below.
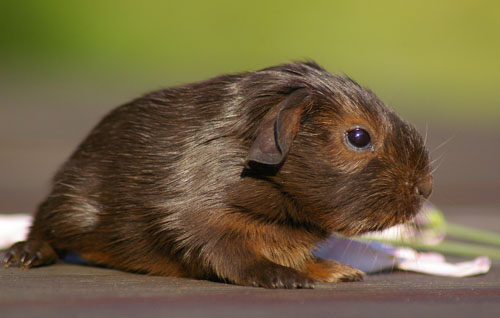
point(27, 254)
point(333, 272)
point(270, 275)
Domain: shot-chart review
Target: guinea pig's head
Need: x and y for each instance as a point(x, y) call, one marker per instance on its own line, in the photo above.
point(349, 162)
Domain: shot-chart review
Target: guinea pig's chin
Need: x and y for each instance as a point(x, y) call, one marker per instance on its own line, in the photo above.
point(385, 219)
point(400, 216)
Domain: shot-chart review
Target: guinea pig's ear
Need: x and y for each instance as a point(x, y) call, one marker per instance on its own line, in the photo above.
point(278, 129)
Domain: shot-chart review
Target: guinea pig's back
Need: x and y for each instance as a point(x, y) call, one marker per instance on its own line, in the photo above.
point(145, 166)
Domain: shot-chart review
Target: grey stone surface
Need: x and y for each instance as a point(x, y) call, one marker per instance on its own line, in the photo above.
point(66, 290)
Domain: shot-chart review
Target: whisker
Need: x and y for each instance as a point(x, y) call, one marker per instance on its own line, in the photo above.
point(346, 249)
point(426, 131)
point(437, 159)
point(374, 261)
point(423, 151)
point(439, 165)
point(444, 143)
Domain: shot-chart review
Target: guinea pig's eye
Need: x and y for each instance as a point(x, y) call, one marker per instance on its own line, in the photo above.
point(358, 138)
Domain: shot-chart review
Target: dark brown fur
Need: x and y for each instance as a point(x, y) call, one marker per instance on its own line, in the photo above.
point(235, 178)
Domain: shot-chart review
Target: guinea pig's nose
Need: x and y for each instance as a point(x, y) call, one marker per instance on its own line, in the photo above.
point(424, 187)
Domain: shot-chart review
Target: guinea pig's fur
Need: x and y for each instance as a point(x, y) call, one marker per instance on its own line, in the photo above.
point(234, 179)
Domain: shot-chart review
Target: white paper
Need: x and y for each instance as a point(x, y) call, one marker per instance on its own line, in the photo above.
point(13, 228)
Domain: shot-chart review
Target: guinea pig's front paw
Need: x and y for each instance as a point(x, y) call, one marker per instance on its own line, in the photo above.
point(332, 272)
point(29, 254)
point(271, 275)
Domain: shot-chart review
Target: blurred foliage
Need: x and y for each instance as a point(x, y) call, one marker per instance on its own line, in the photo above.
point(437, 57)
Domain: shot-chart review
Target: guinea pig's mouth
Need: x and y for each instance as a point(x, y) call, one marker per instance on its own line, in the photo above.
point(395, 204)
point(387, 219)
point(404, 216)
point(412, 205)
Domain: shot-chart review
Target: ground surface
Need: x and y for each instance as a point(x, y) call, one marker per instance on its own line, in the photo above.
point(77, 291)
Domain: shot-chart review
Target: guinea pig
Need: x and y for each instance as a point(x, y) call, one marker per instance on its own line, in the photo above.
point(234, 179)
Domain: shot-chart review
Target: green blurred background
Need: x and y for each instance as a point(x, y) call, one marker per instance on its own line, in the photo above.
point(63, 64)
point(433, 58)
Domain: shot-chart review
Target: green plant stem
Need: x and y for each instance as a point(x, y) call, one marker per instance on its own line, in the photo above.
point(449, 247)
point(464, 232)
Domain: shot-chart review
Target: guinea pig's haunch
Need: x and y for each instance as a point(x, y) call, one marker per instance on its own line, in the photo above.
point(234, 179)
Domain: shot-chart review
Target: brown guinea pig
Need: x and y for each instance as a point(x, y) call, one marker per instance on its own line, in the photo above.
point(234, 179)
